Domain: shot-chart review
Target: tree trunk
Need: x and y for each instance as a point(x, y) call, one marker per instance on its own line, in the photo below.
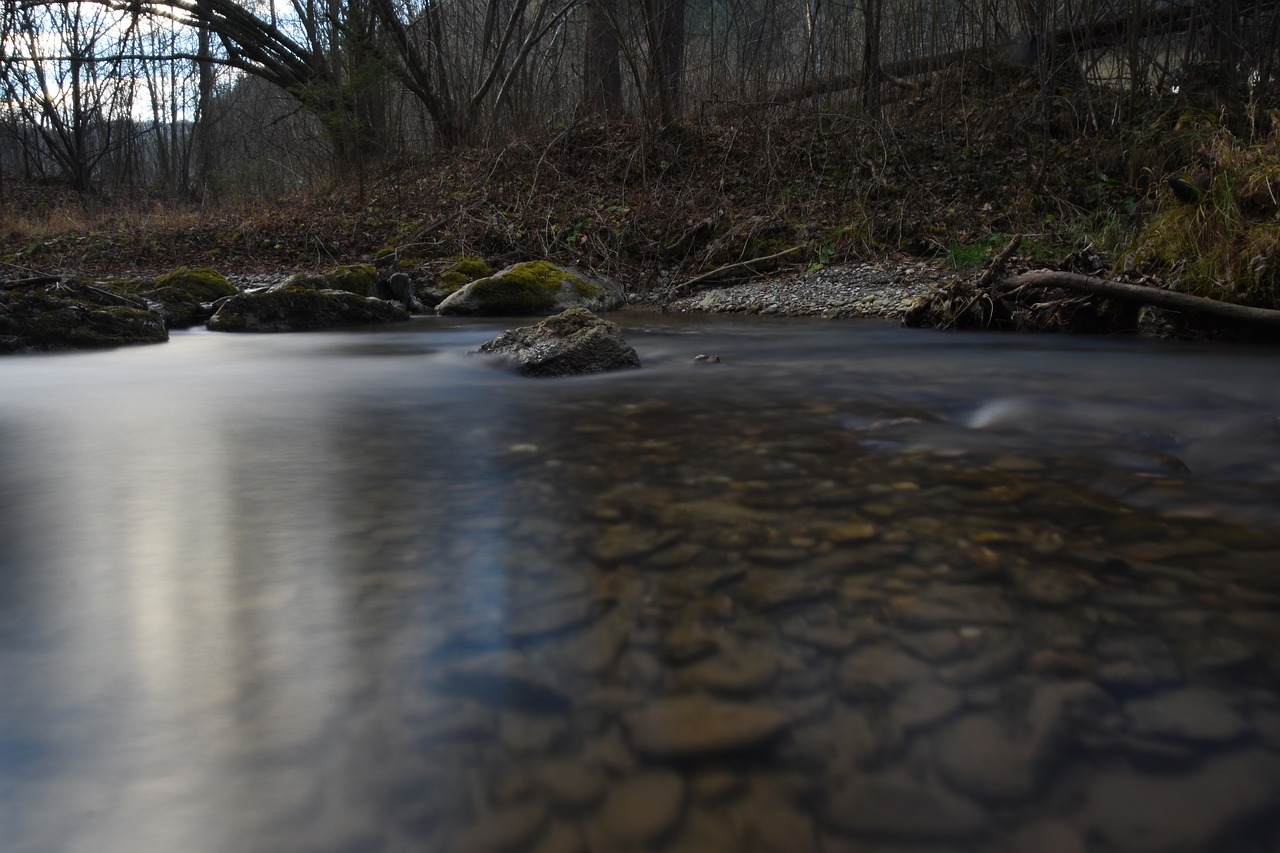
point(873, 14)
point(602, 73)
point(666, 55)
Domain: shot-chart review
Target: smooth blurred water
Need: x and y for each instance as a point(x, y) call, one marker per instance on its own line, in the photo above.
point(232, 566)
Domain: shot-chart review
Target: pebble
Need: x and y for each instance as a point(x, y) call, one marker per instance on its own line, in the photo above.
point(738, 672)
point(1050, 587)
point(879, 672)
point(1194, 714)
point(696, 724)
point(638, 811)
point(925, 704)
point(505, 830)
point(1047, 836)
point(903, 810)
point(1135, 812)
point(854, 290)
point(570, 785)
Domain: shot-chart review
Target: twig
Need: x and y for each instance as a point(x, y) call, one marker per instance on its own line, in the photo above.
point(727, 269)
point(1002, 260)
point(34, 281)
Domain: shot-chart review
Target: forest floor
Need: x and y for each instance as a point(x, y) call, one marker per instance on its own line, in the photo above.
point(943, 179)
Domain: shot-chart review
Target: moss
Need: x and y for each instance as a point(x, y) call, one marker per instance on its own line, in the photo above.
point(203, 284)
point(180, 293)
point(473, 267)
point(462, 272)
point(528, 288)
point(360, 279)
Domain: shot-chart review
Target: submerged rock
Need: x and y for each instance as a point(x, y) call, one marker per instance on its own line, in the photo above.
point(901, 809)
point(568, 344)
point(531, 288)
point(74, 315)
point(298, 309)
point(695, 724)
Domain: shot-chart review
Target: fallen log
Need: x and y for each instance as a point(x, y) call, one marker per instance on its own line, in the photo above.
point(1158, 297)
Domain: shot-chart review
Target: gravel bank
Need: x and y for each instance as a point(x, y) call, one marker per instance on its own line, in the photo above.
point(863, 290)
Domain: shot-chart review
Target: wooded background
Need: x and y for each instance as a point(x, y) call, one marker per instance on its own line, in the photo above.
point(209, 98)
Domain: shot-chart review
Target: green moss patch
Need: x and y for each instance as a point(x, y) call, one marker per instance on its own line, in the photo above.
point(528, 288)
point(361, 279)
point(462, 272)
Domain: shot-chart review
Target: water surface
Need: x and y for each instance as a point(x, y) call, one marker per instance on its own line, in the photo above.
point(853, 588)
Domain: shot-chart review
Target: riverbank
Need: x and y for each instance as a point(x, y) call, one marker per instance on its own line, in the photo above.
point(879, 289)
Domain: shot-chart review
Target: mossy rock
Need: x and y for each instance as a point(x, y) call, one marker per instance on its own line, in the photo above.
point(184, 295)
point(462, 272)
point(74, 315)
point(300, 309)
point(530, 289)
point(571, 343)
point(360, 279)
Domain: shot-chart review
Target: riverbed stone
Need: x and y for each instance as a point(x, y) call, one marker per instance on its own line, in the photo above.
point(1136, 812)
point(531, 619)
point(938, 646)
point(881, 806)
point(983, 757)
point(1047, 836)
point(561, 836)
point(638, 811)
point(570, 785)
point(735, 671)
point(1001, 657)
point(505, 830)
point(1198, 714)
point(506, 679)
point(1049, 587)
point(941, 604)
point(1136, 661)
point(844, 741)
point(767, 591)
point(696, 724)
point(924, 704)
point(994, 757)
point(879, 672)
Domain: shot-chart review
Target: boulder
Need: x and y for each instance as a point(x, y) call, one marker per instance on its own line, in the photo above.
point(531, 289)
point(570, 343)
point(54, 315)
point(299, 309)
point(360, 279)
point(184, 297)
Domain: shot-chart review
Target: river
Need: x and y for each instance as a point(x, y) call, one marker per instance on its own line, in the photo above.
point(852, 588)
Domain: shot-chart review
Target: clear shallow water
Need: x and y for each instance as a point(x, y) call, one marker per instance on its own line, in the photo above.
point(854, 588)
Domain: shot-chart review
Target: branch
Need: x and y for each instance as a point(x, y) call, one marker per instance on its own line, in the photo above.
point(1002, 260)
point(1146, 296)
point(722, 272)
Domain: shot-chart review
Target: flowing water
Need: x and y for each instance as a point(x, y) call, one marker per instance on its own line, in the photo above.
point(854, 588)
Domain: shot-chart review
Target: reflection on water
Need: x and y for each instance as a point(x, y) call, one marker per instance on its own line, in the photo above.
point(853, 589)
